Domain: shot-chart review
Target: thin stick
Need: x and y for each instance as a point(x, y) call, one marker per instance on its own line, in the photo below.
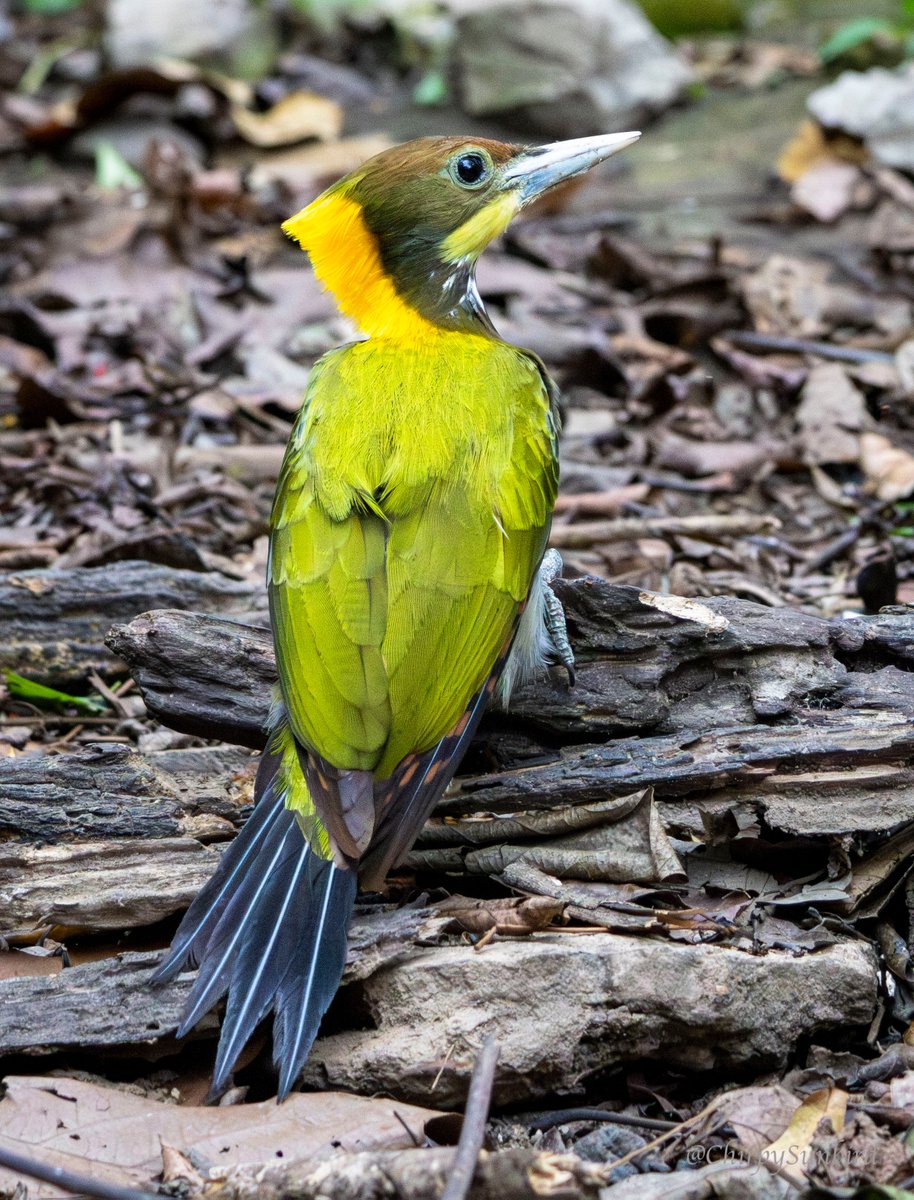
point(712, 525)
point(792, 345)
point(70, 1181)
point(565, 1115)
point(475, 1116)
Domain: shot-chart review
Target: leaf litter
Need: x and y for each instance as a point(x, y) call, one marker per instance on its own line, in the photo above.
point(738, 421)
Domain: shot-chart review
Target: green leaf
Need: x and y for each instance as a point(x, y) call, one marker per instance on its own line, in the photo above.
point(50, 8)
point(112, 171)
point(854, 34)
point(904, 531)
point(48, 697)
point(431, 90)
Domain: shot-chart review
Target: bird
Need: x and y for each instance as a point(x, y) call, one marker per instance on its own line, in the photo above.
point(407, 574)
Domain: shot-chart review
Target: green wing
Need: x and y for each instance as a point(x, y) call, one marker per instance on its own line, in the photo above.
point(391, 603)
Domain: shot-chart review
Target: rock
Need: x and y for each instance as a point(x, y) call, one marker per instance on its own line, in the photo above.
point(876, 106)
point(222, 31)
point(566, 67)
point(565, 1008)
point(132, 137)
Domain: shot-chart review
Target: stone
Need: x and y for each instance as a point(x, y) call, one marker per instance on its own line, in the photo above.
point(876, 106)
point(564, 1008)
point(565, 67)
point(220, 31)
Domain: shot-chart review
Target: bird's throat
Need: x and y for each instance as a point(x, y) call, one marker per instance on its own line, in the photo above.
point(348, 261)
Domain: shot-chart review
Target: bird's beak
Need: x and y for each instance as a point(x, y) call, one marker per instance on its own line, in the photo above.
point(534, 171)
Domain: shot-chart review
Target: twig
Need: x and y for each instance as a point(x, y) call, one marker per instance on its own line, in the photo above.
point(54, 719)
point(565, 1115)
point(602, 504)
point(792, 345)
point(706, 526)
point(111, 696)
point(475, 1116)
point(70, 1181)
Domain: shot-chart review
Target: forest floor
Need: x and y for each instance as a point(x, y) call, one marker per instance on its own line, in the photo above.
point(735, 352)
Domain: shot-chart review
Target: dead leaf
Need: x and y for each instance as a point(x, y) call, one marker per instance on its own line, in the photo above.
point(757, 1115)
point(507, 915)
point(791, 1150)
point(72, 1123)
point(827, 190)
point(830, 416)
point(889, 469)
point(811, 146)
point(636, 848)
point(296, 118)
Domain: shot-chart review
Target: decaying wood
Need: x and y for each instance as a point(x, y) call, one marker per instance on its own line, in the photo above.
point(114, 839)
point(226, 670)
point(53, 622)
point(788, 715)
point(111, 1005)
point(415, 1175)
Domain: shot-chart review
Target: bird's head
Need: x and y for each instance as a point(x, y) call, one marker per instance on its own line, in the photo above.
point(397, 240)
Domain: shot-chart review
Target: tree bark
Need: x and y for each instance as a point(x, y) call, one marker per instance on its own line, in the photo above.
point(53, 622)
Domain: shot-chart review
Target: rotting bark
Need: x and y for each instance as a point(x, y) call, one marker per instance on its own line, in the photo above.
point(803, 721)
point(111, 1005)
point(414, 1175)
point(53, 622)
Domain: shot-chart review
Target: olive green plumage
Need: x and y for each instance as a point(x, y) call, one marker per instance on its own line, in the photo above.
point(411, 514)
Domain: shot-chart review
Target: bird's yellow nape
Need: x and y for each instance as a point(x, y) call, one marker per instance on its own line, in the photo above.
point(345, 256)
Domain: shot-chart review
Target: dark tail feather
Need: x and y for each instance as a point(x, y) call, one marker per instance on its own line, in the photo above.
point(190, 942)
point(270, 930)
point(303, 996)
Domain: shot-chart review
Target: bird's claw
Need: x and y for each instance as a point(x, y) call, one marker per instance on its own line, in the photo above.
point(554, 614)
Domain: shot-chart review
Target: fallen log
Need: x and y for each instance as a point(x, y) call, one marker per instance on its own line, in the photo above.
point(53, 622)
point(111, 1005)
point(110, 839)
point(802, 721)
point(514, 1174)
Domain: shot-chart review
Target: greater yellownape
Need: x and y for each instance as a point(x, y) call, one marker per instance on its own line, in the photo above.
point(406, 576)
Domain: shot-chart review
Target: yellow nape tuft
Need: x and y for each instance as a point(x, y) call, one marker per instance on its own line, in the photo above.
point(345, 257)
point(470, 239)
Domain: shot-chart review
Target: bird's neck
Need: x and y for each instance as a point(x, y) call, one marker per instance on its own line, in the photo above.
point(413, 297)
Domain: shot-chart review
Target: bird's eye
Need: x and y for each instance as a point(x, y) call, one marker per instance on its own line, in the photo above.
point(471, 169)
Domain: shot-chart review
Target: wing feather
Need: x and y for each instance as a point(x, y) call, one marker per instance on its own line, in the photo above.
point(392, 601)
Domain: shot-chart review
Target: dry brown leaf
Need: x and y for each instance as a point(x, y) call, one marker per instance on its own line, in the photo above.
point(511, 916)
point(830, 416)
point(757, 1115)
point(791, 1150)
point(296, 118)
point(72, 1123)
point(307, 166)
point(889, 469)
point(809, 147)
point(827, 189)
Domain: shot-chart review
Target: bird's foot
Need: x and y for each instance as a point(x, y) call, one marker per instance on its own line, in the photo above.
point(554, 614)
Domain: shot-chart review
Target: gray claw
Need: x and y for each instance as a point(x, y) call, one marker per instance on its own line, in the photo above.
point(556, 627)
